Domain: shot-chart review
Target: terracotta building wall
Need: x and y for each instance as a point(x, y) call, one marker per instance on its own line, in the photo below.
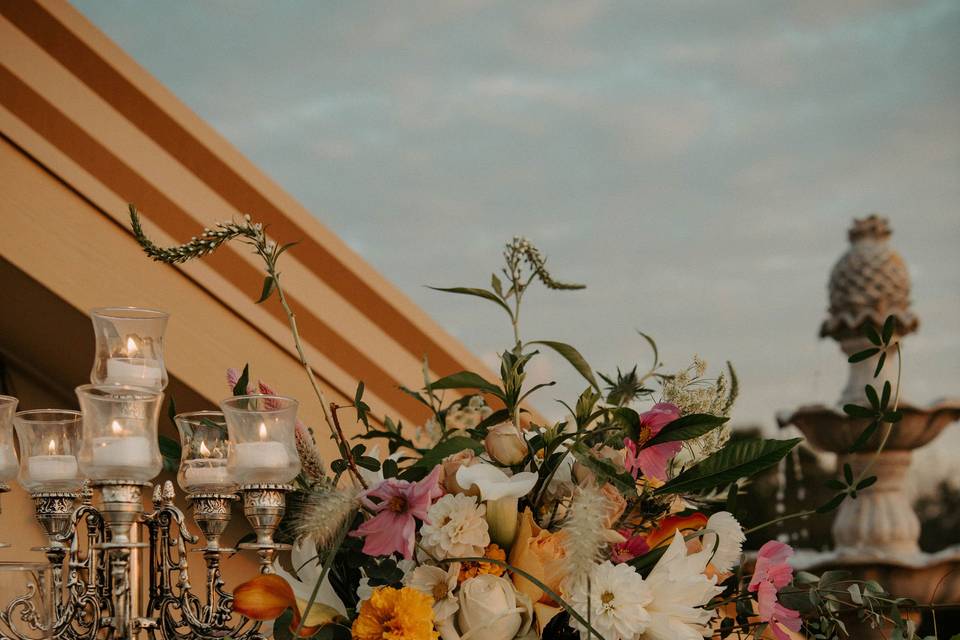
point(85, 130)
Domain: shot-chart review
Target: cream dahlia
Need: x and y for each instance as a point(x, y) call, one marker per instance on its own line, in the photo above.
point(726, 534)
point(438, 583)
point(455, 526)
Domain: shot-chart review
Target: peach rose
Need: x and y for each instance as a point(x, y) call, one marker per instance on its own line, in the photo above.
point(449, 467)
point(616, 505)
point(538, 552)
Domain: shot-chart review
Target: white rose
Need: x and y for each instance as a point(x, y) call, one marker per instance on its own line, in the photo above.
point(491, 609)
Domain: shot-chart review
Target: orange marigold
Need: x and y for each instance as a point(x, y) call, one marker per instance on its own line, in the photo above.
point(472, 569)
point(395, 614)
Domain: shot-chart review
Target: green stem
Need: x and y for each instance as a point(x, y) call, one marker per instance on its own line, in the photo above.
point(799, 514)
point(331, 556)
point(888, 425)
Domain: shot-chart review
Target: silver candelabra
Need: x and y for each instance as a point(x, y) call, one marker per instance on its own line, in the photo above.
point(90, 550)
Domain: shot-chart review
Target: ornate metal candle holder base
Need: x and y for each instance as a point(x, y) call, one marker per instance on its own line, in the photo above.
point(54, 512)
point(90, 550)
point(211, 512)
point(264, 506)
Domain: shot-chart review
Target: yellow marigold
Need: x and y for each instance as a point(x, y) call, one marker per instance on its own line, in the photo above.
point(395, 614)
point(472, 569)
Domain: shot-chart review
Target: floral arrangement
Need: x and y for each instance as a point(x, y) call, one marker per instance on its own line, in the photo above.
point(486, 524)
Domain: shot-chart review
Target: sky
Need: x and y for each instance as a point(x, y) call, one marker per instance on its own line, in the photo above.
point(695, 164)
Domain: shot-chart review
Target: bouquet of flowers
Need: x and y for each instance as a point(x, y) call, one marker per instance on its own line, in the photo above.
point(489, 523)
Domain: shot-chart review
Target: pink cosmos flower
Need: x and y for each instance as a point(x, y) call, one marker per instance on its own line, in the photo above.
point(652, 461)
point(400, 505)
point(771, 574)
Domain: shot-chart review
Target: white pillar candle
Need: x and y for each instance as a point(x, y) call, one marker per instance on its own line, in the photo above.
point(121, 451)
point(137, 372)
point(206, 472)
point(8, 460)
point(261, 455)
point(52, 468)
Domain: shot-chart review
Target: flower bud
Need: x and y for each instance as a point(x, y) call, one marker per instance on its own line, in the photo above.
point(449, 467)
point(505, 446)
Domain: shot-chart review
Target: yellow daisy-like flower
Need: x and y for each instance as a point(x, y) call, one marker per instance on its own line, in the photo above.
point(472, 569)
point(395, 614)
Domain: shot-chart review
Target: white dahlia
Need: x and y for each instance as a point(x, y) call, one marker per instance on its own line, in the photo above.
point(724, 527)
point(680, 589)
point(618, 600)
point(455, 527)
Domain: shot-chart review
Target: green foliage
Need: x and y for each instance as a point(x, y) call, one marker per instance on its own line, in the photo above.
point(687, 427)
point(738, 459)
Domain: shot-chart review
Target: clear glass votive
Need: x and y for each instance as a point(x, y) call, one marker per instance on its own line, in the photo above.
point(262, 448)
point(49, 445)
point(27, 587)
point(129, 347)
point(8, 454)
point(120, 432)
point(204, 442)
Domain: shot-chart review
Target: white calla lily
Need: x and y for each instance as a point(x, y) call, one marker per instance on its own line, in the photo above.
point(501, 493)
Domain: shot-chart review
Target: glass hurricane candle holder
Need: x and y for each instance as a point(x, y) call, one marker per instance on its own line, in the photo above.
point(27, 597)
point(204, 441)
point(119, 432)
point(49, 446)
point(262, 445)
point(129, 347)
point(8, 454)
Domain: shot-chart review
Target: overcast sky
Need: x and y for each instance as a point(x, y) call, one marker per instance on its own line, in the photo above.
point(696, 164)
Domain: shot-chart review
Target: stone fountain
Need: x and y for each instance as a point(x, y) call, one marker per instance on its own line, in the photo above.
point(876, 535)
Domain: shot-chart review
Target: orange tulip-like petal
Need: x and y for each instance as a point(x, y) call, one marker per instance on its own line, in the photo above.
point(267, 596)
point(672, 524)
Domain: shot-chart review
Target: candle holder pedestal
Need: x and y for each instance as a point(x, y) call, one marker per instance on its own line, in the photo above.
point(264, 506)
point(211, 512)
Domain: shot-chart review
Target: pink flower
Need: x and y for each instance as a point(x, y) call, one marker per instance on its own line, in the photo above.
point(400, 505)
point(772, 565)
point(630, 548)
point(771, 574)
point(652, 461)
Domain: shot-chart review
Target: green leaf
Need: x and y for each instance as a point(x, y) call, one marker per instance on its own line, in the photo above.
point(832, 503)
point(653, 346)
point(287, 246)
point(480, 293)
point(467, 380)
point(170, 450)
point(369, 463)
point(686, 428)
point(856, 411)
point(871, 333)
point(848, 473)
point(835, 484)
point(605, 470)
point(574, 358)
point(880, 363)
point(893, 416)
point(496, 285)
point(864, 436)
point(860, 356)
point(732, 492)
point(240, 389)
point(866, 482)
point(434, 456)
point(888, 326)
point(390, 469)
point(268, 283)
point(872, 396)
point(738, 459)
point(885, 395)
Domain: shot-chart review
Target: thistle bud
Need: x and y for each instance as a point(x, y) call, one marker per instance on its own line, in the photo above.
point(505, 446)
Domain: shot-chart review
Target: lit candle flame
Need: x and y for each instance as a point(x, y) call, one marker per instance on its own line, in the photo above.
point(116, 428)
point(263, 431)
point(204, 452)
point(52, 447)
point(132, 348)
